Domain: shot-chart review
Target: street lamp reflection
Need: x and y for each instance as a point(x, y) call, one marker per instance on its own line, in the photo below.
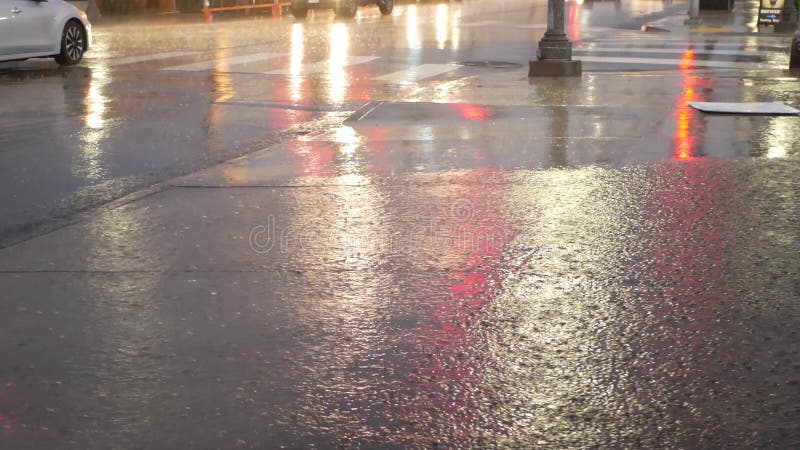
point(296, 62)
point(777, 132)
point(442, 25)
point(95, 99)
point(337, 78)
point(412, 29)
point(95, 121)
point(348, 140)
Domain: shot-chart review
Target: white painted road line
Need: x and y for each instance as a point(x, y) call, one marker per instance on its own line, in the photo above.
point(417, 73)
point(661, 43)
point(671, 62)
point(146, 58)
point(324, 66)
point(482, 23)
point(696, 51)
point(226, 62)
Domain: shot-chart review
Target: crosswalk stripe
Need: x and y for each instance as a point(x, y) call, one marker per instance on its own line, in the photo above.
point(417, 73)
point(323, 66)
point(481, 23)
point(145, 58)
point(680, 43)
point(532, 26)
point(669, 62)
point(696, 51)
point(222, 62)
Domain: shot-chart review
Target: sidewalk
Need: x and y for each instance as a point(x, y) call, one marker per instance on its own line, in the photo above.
point(741, 20)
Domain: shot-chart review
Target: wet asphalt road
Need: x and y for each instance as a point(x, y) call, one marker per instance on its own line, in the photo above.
point(411, 253)
point(137, 111)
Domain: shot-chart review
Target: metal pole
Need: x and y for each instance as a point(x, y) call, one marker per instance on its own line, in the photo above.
point(554, 56)
point(694, 13)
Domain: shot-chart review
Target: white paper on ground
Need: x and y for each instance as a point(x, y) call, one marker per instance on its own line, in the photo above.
point(744, 108)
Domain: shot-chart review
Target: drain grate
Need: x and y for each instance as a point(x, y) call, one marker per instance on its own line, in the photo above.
point(492, 64)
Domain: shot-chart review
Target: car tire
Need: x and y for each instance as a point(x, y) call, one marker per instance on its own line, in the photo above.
point(73, 44)
point(386, 6)
point(299, 10)
point(347, 10)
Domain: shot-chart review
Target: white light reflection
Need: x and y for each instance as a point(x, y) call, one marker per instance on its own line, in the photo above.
point(412, 29)
point(95, 122)
point(337, 78)
point(348, 139)
point(95, 100)
point(296, 62)
point(442, 25)
point(456, 29)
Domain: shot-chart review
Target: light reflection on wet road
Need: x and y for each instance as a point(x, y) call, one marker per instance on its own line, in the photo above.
point(432, 255)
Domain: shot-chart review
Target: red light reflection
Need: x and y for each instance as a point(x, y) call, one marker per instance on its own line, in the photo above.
point(473, 112)
point(7, 420)
point(573, 22)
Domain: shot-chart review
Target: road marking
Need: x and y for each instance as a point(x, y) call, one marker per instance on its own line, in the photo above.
point(324, 66)
point(683, 43)
point(226, 62)
point(145, 58)
point(417, 73)
point(696, 51)
point(671, 62)
point(532, 26)
point(482, 23)
point(711, 30)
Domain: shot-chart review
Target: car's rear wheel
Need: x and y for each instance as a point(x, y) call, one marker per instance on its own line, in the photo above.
point(347, 9)
point(73, 44)
point(299, 9)
point(386, 6)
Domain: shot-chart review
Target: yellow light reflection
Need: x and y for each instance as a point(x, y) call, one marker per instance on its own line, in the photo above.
point(222, 85)
point(95, 122)
point(337, 77)
point(296, 62)
point(442, 25)
point(779, 136)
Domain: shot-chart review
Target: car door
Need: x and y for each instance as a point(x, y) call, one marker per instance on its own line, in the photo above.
point(25, 26)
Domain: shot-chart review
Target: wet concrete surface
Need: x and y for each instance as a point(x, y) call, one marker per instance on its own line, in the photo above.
point(408, 253)
point(651, 306)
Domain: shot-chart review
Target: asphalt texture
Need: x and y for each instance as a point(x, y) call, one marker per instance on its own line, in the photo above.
point(263, 233)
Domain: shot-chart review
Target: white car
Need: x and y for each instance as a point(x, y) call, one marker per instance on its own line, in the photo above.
point(43, 29)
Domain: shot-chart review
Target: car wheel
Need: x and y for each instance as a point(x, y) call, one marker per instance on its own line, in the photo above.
point(347, 10)
point(299, 10)
point(73, 44)
point(386, 6)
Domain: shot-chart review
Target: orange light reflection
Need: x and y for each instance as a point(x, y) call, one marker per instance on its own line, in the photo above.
point(685, 117)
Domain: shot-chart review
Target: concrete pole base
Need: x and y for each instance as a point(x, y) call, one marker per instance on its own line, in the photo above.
point(554, 68)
